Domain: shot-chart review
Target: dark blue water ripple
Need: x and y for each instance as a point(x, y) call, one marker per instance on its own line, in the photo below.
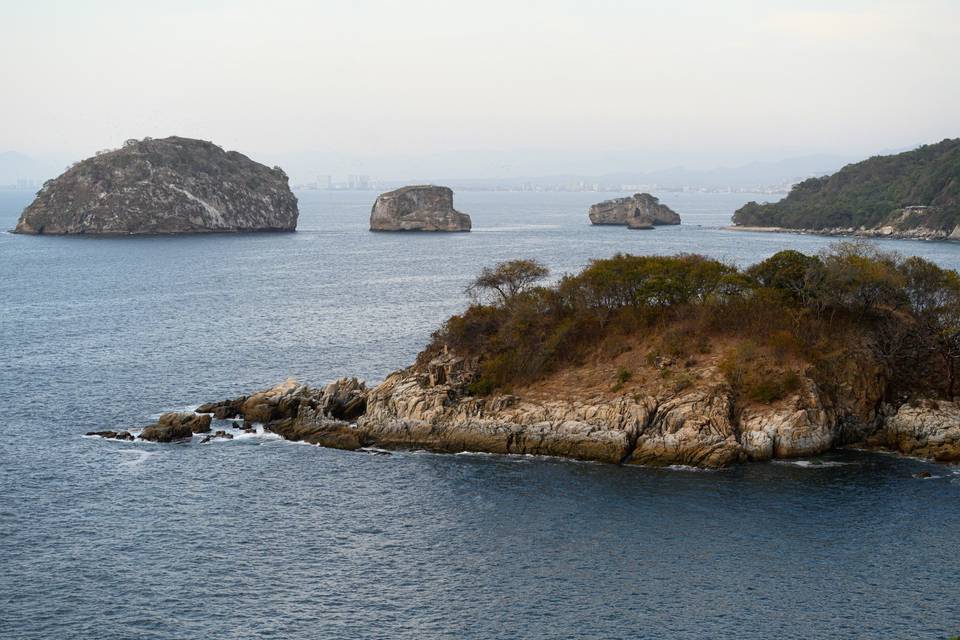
point(260, 538)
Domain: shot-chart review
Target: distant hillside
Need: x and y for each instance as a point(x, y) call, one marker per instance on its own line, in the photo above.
point(915, 193)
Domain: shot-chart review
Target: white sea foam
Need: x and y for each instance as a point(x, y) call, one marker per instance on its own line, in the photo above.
point(690, 469)
point(813, 464)
point(136, 457)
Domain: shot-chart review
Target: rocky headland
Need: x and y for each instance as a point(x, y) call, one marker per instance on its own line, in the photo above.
point(639, 211)
point(163, 186)
point(912, 195)
point(417, 208)
point(736, 367)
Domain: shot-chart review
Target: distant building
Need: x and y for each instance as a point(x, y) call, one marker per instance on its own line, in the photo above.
point(358, 182)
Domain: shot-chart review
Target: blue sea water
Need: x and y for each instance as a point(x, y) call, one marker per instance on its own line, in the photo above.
point(261, 538)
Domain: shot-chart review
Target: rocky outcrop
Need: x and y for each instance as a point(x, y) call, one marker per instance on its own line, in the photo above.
point(298, 412)
point(169, 185)
point(417, 208)
point(926, 429)
point(639, 211)
point(176, 426)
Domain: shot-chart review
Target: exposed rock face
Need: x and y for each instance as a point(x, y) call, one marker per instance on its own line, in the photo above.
point(927, 429)
point(639, 211)
point(418, 208)
point(176, 426)
point(171, 185)
point(701, 425)
point(641, 223)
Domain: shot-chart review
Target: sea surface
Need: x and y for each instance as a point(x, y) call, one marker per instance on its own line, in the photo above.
point(262, 538)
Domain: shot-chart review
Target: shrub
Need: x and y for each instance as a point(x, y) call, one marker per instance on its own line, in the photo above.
point(623, 377)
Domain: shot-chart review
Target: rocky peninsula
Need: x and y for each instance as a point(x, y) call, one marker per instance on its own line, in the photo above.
point(639, 211)
point(912, 195)
point(677, 360)
point(417, 208)
point(163, 186)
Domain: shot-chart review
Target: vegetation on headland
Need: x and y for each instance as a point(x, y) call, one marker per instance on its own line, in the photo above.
point(853, 308)
point(866, 194)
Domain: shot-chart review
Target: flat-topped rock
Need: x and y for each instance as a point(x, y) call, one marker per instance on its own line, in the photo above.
point(639, 211)
point(169, 185)
point(417, 208)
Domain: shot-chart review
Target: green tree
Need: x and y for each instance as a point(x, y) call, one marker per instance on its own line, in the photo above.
point(506, 279)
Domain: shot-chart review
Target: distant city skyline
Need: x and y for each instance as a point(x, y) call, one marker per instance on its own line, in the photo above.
point(615, 84)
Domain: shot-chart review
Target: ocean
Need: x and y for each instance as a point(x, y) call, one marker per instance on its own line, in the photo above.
point(263, 538)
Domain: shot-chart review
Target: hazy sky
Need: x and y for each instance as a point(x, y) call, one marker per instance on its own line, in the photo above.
point(417, 76)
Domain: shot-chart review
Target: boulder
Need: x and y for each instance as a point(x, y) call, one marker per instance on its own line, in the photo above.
point(176, 426)
point(417, 208)
point(277, 403)
point(169, 185)
point(643, 207)
point(225, 409)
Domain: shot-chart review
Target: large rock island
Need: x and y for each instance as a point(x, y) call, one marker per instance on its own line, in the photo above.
point(658, 360)
point(169, 185)
point(915, 194)
point(639, 211)
point(417, 208)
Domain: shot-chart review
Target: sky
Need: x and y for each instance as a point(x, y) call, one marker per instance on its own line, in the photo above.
point(590, 85)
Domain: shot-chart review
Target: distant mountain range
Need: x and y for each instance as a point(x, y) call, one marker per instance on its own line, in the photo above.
point(305, 169)
point(778, 175)
point(16, 168)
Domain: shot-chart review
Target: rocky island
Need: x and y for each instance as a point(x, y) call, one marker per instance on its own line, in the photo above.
point(677, 360)
point(915, 194)
point(639, 211)
point(163, 186)
point(417, 208)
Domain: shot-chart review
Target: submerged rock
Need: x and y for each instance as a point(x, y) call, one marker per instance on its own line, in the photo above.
point(639, 211)
point(169, 185)
point(417, 208)
point(219, 435)
point(173, 426)
point(112, 435)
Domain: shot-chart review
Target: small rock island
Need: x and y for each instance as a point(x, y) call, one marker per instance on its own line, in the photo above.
point(417, 208)
point(639, 211)
point(163, 186)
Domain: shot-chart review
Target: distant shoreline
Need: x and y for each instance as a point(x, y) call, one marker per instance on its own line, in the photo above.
point(927, 235)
